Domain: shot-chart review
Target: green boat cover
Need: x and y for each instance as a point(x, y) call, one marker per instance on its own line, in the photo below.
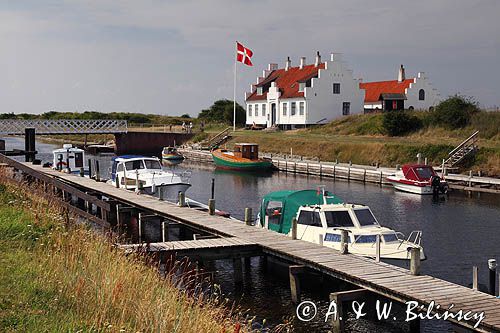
point(285, 204)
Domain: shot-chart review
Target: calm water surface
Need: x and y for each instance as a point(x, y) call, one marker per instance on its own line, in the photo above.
point(459, 231)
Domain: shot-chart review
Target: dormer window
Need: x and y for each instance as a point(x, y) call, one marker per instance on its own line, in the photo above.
point(302, 86)
point(259, 90)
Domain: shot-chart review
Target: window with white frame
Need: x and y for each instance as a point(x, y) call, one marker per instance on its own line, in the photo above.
point(259, 90)
point(250, 110)
point(294, 108)
point(264, 109)
point(301, 108)
point(285, 108)
point(256, 110)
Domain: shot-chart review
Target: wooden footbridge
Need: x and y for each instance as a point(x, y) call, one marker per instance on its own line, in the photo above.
point(376, 278)
point(63, 126)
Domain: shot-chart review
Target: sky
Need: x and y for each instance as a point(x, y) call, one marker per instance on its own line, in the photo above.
point(176, 57)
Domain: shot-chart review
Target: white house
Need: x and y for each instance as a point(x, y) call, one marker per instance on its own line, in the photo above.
point(415, 93)
point(294, 97)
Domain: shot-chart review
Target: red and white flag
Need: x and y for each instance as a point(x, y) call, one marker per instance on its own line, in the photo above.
point(243, 54)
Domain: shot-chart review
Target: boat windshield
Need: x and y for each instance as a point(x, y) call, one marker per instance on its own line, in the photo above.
point(338, 219)
point(424, 173)
point(388, 238)
point(152, 164)
point(134, 165)
point(365, 217)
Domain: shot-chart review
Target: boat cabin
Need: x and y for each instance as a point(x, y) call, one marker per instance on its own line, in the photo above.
point(418, 172)
point(246, 150)
point(127, 163)
point(69, 158)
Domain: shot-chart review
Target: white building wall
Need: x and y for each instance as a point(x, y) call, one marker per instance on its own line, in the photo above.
point(432, 96)
point(322, 103)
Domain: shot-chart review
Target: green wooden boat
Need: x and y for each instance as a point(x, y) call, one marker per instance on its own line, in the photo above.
point(245, 157)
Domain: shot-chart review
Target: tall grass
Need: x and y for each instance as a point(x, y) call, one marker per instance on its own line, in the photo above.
point(62, 276)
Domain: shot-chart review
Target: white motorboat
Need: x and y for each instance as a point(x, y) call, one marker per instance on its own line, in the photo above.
point(145, 174)
point(69, 159)
point(418, 179)
point(321, 218)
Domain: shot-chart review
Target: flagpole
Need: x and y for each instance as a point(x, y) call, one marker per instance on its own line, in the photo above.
point(234, 91)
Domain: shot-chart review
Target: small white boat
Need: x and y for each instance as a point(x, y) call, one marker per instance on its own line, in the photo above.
point(69, 159)
point(321, 218)
point(418, 179)
point(145, 174)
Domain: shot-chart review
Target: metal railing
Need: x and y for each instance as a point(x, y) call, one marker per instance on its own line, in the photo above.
point(63, 126)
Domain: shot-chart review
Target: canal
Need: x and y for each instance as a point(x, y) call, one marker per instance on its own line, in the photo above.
point(459, 232)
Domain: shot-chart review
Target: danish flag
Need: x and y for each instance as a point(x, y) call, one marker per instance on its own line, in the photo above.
point(243, 54)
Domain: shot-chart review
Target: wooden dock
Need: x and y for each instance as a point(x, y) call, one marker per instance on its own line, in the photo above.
point(393, 282)
point(361, 173)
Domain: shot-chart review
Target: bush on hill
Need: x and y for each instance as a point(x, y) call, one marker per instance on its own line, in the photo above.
point(398, 123)
point(454, 112)
point(222, 112)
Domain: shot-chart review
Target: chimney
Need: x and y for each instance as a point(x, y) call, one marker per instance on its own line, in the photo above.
point(302, 62)
point(288, 63)
point(401, 76)
point(318, 59)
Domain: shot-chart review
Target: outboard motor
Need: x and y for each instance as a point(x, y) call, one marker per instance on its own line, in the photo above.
point(436, 185)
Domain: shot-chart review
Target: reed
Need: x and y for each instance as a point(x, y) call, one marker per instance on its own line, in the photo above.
point(58, 275)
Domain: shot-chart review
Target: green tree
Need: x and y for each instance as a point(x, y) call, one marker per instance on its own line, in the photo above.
point(222, 112)
point(455, 111)
point(397, 123)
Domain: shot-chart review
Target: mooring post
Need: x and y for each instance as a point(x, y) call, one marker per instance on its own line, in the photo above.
point(211, 206)
point(82, 172)
point(237, 271)
point(161, 194)
point(182, 199)
point(97, 171)
point(248, 216)
point(474, 278)
point(344, 236)
point(90, 168)
point(29, 144)
point(492, 266)
point(415, 261)
point(293, 273)
point(164, 231)
point(294, 228)
point(377, 249)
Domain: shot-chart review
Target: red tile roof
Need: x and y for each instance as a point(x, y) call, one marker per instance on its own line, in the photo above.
point(287, 81)
point(375, 89)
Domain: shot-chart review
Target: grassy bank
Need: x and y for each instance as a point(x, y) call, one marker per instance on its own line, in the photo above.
point(361, 139)
point(61, 277)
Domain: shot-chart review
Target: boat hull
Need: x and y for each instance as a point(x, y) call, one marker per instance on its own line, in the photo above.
point(422, 190)
point(225, 162)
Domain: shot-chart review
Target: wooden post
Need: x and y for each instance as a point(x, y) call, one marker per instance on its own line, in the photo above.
point(139, 228)
point(415, 261)
point(492, 267)
point(349, 172)
point(90, 168)
point(82, 172)
point(377, 249)
point(237, 271)
point(307, 168)
point(213, 189)
point(161, 193)
point(381, 176)
point(470, 178)
point(474, 278)
point(334, 167)
point(293, 272)
point(294, 228)
point(211, 206)
point(29, 144)
point(164, 231)
point(344, 236)
point(364, 176)
point(320, 170)
point(337, 320)
point(248, 216)
point(97, 171)
point(182, 199)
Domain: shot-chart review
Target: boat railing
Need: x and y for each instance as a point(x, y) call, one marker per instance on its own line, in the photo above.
point(414, 237)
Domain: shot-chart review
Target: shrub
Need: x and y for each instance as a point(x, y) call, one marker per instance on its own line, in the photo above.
point(454, 112)
point(397, 123)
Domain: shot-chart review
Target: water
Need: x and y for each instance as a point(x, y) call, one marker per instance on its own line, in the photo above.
point(458, 232)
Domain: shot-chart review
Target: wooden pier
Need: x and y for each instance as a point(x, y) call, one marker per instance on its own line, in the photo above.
point(377, 278)
point(350, 172)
